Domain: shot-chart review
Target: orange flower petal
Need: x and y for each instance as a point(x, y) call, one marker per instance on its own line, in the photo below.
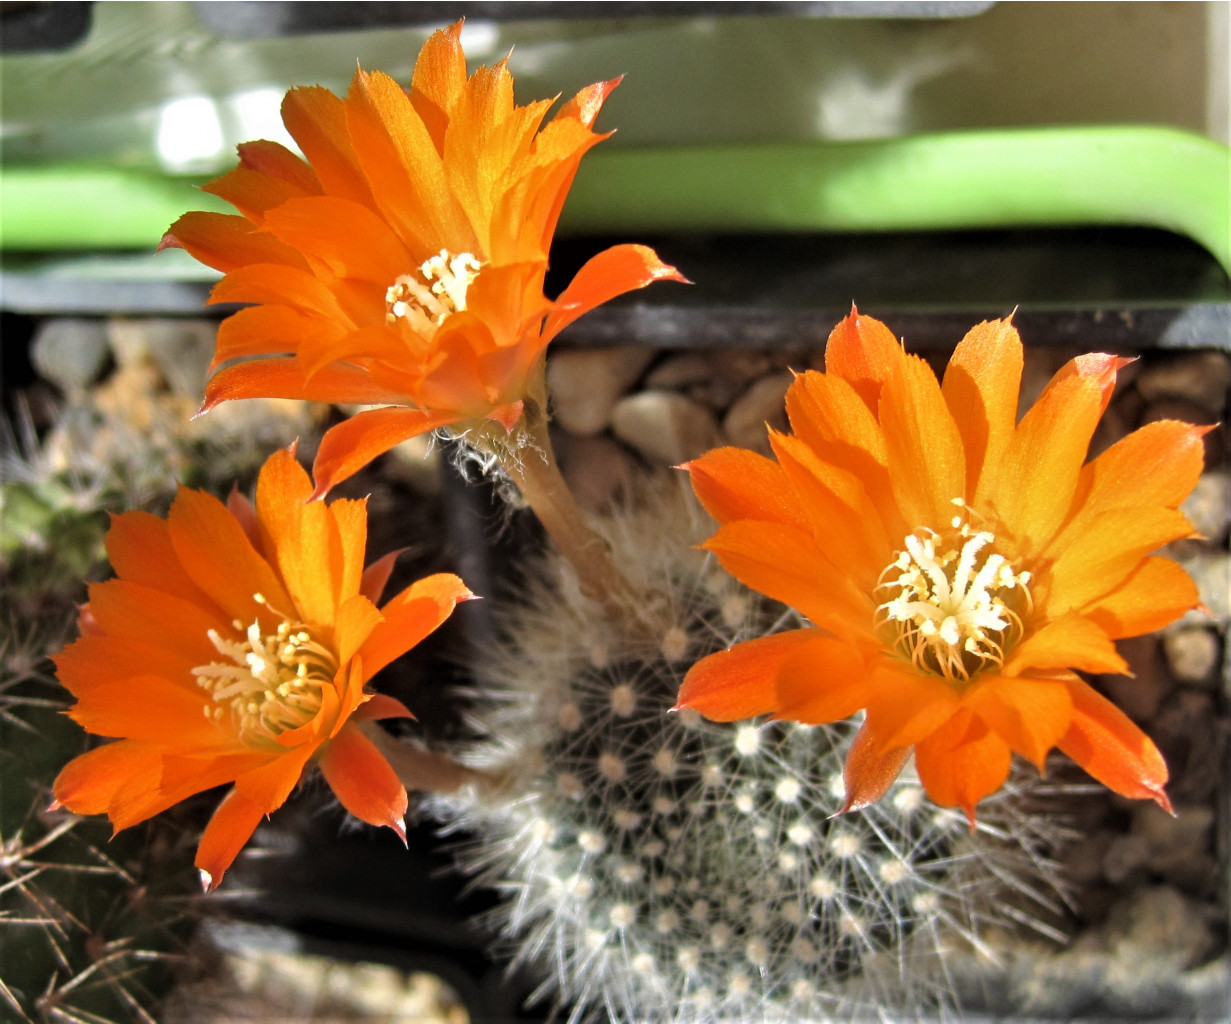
point(283, 378)
point(269, 330)
point(904, 707)
point(614, 271)
point(348, 447)
point(87, 784)
point(926, 462)
point(363, 781)
point(844, 522)
point(277, 161)
point(316, 120)
point(822, 681)
point(280, 285)
point(439, 78)
point(739, 682)
point(380, 706)
point(133, 612)
point(227, 242)
point(253, 193)
point(405, 167)
point(92, 661)
point(139, 549)
point(231, 826)
point(962, 762)
point(784, 563)
point(733, 483)
point(349, 239)
point(981, 388)
point(1071, 641)
point(1111, 748)
point(376, 576)
point(1156, 465)
point(180, 777)
point(200, 526)
point(1030, 715)
point(1110, 549)
point(863, 352)
point(830, 417)
point(409, 617)
point(357, 617)
point(269, 785)
point(1154, 595)
point(150, 709)
point(869, 772)
point(1038, 477)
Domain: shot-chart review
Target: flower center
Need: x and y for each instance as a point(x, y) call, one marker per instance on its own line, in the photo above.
point(951, 602)
point(438, 290)
point(271, 682)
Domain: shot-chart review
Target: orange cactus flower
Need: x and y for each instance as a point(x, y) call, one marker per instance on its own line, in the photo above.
point(234, 646)
point(402, 264)
point(957, 565)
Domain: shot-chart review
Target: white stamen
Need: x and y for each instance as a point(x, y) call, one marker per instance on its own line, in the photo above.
point(439, 291)
point(946, 601)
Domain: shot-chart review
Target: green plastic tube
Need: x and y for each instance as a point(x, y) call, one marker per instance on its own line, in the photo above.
point(1120, 175)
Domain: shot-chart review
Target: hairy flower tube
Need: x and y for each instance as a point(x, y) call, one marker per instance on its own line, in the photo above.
point(402, 264)
point(957, 565)
point(234, 645)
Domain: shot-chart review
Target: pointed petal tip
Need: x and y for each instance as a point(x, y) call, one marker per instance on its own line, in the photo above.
point(169, 241)
point(208, 884)
point(400, 829)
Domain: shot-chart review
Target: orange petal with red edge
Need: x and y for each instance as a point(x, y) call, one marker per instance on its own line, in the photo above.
point(228, 830)
point(227, 242)
point(962, 762)
point(409, 617)
point(1103, 740)
point(740, 682)
point(363, 781)
point(614, 271)
point(277, 161)
point(869, 771)
point(864, 352)
point(1038, 477)
point(350, 445)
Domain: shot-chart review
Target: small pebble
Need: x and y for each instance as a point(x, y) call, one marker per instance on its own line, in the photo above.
point(761, 405)
point(585, 384)
point(70, 353)
point(180, 348)
point(1192, 654)
point(665, 427)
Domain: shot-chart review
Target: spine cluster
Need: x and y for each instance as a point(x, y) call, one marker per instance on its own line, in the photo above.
point(662, 867)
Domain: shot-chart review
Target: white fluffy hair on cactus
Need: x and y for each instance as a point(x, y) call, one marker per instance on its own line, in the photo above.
point(662, 867)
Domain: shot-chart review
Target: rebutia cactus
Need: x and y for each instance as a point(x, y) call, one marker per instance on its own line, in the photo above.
point(667, 868)
point(89, 925)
